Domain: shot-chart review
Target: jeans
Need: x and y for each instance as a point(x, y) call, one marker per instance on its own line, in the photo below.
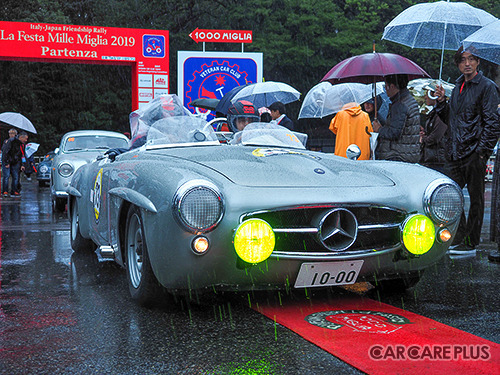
point(13, 171)
point(470, 171)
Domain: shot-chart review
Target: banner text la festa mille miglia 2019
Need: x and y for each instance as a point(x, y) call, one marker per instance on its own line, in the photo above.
point(146, 51)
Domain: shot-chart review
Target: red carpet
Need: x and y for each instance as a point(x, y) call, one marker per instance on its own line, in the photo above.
point(381, 339)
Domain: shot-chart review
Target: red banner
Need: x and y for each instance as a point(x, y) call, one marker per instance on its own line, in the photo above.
point(147, 51)
point(221, 36)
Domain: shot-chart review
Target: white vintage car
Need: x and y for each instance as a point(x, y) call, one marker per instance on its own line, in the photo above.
point(76, 149)
point(186, 213)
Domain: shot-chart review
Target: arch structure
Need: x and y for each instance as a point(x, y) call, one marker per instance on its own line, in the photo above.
point(146, 51)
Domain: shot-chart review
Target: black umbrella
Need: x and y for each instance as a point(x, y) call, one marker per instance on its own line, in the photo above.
point(205, 103)
point(225, 102)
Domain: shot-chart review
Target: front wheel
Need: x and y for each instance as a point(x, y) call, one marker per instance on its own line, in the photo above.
point(143, 285)
point(79, 244)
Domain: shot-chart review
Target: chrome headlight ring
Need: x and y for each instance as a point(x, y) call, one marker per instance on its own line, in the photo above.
point(65, 169)
point(443, 201)
point(198, 205)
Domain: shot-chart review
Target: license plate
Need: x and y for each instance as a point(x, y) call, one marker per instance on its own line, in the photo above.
point(329, 273)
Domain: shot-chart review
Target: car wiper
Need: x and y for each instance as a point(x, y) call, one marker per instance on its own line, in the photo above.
point(75, 149)
point(101, 147)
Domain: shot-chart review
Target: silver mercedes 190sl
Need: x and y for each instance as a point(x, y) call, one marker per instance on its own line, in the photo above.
point(185, 212)
point(76, 149)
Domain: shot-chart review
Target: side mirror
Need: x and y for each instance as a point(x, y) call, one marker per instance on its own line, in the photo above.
point(353, 152)
point(56, 151)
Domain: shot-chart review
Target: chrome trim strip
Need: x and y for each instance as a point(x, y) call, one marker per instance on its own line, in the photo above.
point(190, 144)
point(315, 230)
point(378, 226)
point(61, 194)
point(332, 256)
point(296, 230)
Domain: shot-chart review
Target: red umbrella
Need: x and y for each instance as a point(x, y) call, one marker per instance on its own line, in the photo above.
point(373, 67)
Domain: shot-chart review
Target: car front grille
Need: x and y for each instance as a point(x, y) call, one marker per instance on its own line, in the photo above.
point(297, 230)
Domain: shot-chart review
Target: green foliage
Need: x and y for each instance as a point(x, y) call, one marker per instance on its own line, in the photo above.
point(301, 40)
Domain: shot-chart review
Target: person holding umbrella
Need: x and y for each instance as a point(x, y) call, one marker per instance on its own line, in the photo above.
point(473, 131)
point(399, 139)
point(278, 115)
point(13, 163)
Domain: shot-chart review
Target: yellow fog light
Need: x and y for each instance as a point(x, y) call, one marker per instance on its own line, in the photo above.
point(254, 241)
point(200, 244)
point(418, 234)
point(444, 235)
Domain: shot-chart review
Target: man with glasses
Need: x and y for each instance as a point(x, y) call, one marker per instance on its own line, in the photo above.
point(473, 131)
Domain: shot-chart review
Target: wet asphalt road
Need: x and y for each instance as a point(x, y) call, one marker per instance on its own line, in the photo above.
point(62, 313)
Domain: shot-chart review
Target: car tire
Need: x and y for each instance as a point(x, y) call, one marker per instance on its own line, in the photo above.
point(79, 244)
point(399, 285)
point(143, 286)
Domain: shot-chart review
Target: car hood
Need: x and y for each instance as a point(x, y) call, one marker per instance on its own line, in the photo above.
point(278, 167)
point(82, 156)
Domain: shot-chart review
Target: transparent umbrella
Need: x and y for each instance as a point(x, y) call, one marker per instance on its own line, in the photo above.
point(31, 148)
point(325, 99)
point(263, 94)
point(485, 42)
point(17, 120)
point(440, 25)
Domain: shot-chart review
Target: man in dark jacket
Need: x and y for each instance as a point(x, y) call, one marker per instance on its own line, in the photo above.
point(399, 138)
point(473, 131)
point(278, 114)
point(13, 162)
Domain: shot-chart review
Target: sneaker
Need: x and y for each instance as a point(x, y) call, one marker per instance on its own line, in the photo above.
point(494, 256)
point(463, 249)
point(5, 194)
point(16, 194)
point(29, 178)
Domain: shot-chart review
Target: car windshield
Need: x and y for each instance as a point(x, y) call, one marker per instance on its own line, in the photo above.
point(268, 134)
point(93, 142)
point(181, 131)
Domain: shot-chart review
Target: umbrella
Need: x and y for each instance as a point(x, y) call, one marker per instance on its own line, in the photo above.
point(17, 120)
point(31, 148)
point(440, 25)
point(225, 102)
point(325, 99)
point(263, 94)
point(205, 103)
point(373, 67)
point(485, 42)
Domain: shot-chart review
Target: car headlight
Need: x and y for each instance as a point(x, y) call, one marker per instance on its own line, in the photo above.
point(418, 234)
point(443, 201)
point(198, 205)
point(65, 169)
point(44, 169)
point(254, 241)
